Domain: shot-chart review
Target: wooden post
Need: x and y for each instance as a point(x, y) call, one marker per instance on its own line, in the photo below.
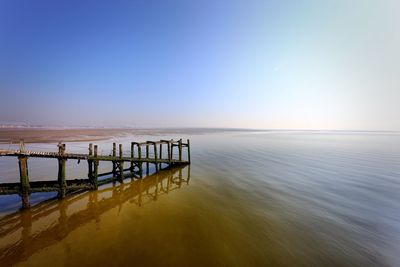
point(121, 165)
point(180, 149)
point(24, 180)
point(21, 146)
point(90, 164)
point(132, 156)
point(114, 164)
point(90, 149)
point(147, 157)
point(169, 152)
point(140, 160)
point(161, 145)
point(172, 151)
point(61, 171)
point(96, 169)
point(188, 150)
point(155, 156)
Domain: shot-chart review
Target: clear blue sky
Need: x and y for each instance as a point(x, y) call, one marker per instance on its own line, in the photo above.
point(301, 64)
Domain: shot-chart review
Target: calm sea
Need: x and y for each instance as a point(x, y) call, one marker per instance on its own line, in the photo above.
point(248, 199)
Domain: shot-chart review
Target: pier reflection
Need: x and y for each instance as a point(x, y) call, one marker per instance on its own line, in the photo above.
point(26, 232)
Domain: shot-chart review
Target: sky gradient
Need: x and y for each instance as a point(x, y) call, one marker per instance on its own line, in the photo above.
point(301, 64)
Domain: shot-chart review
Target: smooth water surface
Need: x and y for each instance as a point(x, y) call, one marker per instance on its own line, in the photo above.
point(248, 199)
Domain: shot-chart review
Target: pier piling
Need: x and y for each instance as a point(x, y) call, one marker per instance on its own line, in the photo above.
point(180, 149)
point(90, 165)
point(155, 155)
point(140, 159)
point(169, 152)
point(188, 150)
point(24, 180)
point(95, 169)
point(132, 156)
point(114, 164)
point(61, 171)
point(147, 156)
point(121, 165)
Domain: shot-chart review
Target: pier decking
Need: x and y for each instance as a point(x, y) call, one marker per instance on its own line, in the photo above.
point(63, 186)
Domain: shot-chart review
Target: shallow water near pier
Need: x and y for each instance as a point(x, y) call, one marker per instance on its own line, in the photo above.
point(248, 199)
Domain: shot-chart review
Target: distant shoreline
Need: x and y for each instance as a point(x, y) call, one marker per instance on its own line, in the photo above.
point(54, 135)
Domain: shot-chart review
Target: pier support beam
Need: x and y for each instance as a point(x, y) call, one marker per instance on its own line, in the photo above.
point(95, 169)
point(172, 151)
point(180, 149)
point(188, 150)
point(155, 155)
point(132, 156)
point(121, 165)
point(24, 179)
point(114, 164)
point(147, 157)
point(90, 166)
point(140, 162)
point(169, 152)
point(161, 145)
point(61, 171)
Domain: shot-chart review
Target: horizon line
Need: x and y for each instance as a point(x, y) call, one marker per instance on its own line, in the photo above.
point(47, 127)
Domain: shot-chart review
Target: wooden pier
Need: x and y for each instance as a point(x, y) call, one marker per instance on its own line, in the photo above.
point(134, 168)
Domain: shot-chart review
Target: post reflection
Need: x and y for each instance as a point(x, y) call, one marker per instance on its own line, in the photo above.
point(24, 233)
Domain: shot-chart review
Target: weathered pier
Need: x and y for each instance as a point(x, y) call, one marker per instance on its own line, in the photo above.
point(139, 155)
